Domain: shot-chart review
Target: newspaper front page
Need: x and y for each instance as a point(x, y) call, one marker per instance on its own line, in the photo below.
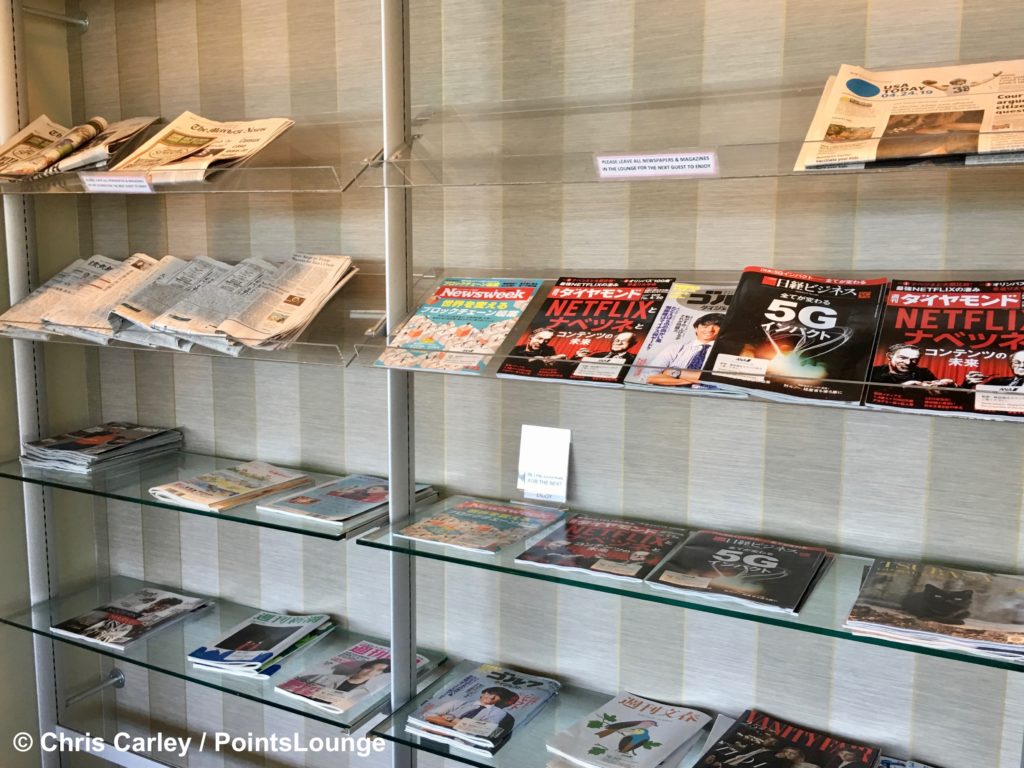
point(37, 135)
point(185, 149)
point(865, 116)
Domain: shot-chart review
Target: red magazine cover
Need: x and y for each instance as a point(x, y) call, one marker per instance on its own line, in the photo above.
point(588, 329)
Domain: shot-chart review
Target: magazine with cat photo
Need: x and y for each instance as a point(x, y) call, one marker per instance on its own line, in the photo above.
point(942, 607)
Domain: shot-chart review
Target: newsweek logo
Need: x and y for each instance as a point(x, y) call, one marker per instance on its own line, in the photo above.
point(485, 294)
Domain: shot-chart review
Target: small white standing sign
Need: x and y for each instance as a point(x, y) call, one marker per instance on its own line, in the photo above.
point(544, 462)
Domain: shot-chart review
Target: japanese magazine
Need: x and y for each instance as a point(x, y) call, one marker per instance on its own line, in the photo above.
point(797, 337)
point(757, 739)
point(677, 347)
point(942, 607)
point(123, 621)
point(224, 488)
point(601, 545)
point(588, 330)
point(479, 525)
point(480, 711)
point(951, 348)
point(359, 675)
point(767, 573)
point(103, 446)
point(460, 326)
point(973, 110)
point(630, 731)
point(339, 500)
point(256, 645)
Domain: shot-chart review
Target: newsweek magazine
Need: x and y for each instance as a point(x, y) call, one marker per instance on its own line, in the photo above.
point(632, 731)
point(360, 674)
point(951, 348)
point(607, 546)
point(479, 525)
point(758, 740)
point(942, 607)
point(678, 345)
point(797, 337)
point(123, 621)
point(460, 326)
point(768, 573)
point(588, 330)
point(865, 116)
point(481, 710)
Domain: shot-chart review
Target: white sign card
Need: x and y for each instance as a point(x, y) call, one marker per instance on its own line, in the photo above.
point(544, 462)
point(661, 165)
point(115, 183)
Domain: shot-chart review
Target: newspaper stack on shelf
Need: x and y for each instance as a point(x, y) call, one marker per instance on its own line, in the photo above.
point(104, 446)
point(257, 646)
point(223, 488)
point(971, 111)
point(775, 575)
point(630, 730)
point(942, 607)
point(359, 675)
point(16, 164)
point(97, 154)
point(120, 622)
point(480, 711)
point(342, 499)
point(190, 146)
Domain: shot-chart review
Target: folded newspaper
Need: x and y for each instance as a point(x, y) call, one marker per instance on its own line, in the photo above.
point(223, 488)
point(38, 135)
point(16, 162)
point(190, 146)
point(865, 116)
point(100, 447)
point(97, 153)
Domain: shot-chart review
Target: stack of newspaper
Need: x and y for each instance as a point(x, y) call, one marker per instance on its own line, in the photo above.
point(174, 303)
point(257, 646)
point(966, 114)
point(104, 446)
point(941, 607)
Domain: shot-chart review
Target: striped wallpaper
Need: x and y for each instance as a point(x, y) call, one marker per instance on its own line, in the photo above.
point(872, 483)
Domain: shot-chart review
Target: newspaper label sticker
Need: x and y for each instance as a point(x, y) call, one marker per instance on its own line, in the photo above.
point(544, 462)
point(115, 184)
point(1002, 399)
point(663, 165)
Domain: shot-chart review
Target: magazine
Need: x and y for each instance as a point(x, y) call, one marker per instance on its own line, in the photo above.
point(797, 337)
point(360, 674)
point(480, 711)
point(120, 622)
point(951, 348)
point(866, 116)
point(942, 607)
point(190, 146)
point(100, 447)
point(223, 488)
point(460, 326)
point(677, 347)
point(339, 500)
point(771, 574)
point(608, 546)
point(263, 638)
point(96, 154)
point(630, 730)
point(270, 667)
point(479, 525)
point(757, 739)
point(588, 330)
point(50, 153)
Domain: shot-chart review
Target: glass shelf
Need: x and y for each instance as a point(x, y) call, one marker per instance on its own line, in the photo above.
point(355, 312)
point(525, 747)
point(320, 154)
point(823, 613)
point(165, 651)
point(556, 141)
point(132, 483)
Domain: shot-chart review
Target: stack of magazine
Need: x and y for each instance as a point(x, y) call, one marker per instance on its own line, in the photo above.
point(224, 488)
point(630, 730)
point(480, 711)
point(257, 646)
point(765, 573)
point(342, 500)
point(359, 675)
point(118, 623)
point(102, 447)
point(942, 607)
